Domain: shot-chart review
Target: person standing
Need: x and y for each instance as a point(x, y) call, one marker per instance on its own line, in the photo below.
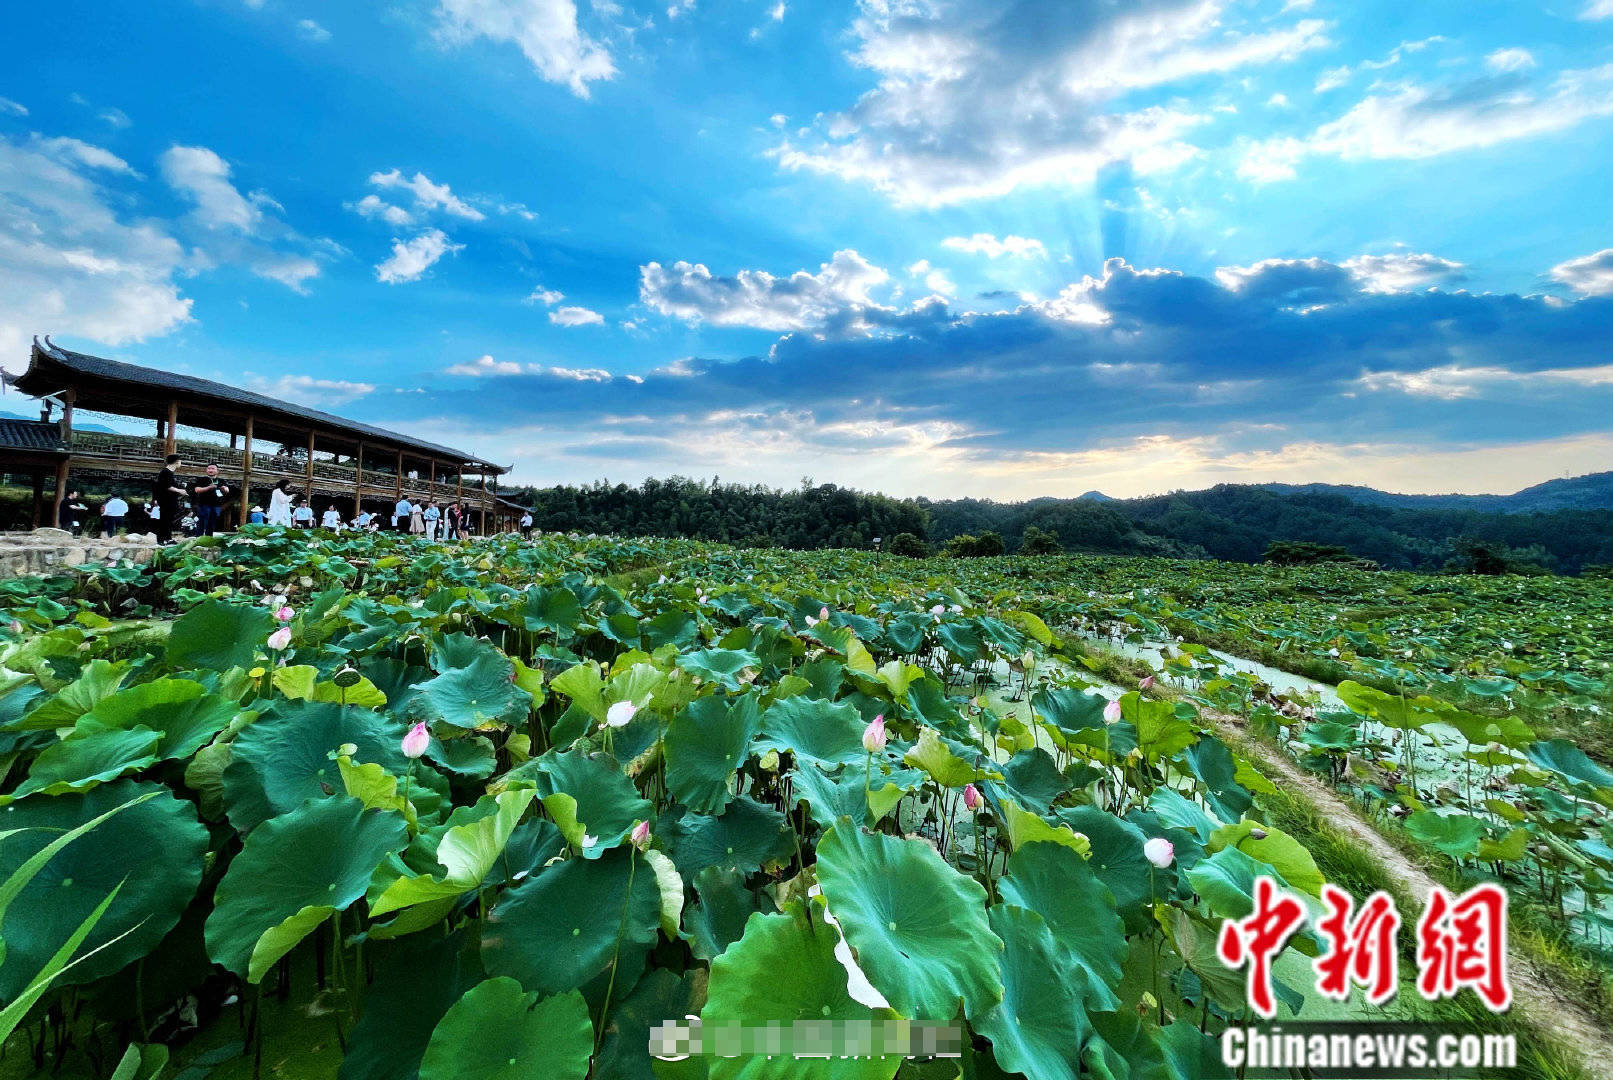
point(302, 514)
point(71, 515)
point(401, 513)
point(432, 516)
point(166, 492)
point(280, 504)
point(209, 494)
point(113, 511)
point(526, 524)
point(452, 519)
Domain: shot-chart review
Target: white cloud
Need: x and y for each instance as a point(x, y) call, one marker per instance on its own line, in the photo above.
point(12, 108)
point(1402, 272)
point(546, 31)
point(988, 245)
point(546, 297)
point(1453, 382)
point(778, 11)
point(427, 196)
point(116, 118)
point(1415, 121)
point(1277, 101)
point(756, 298)
point(1504, 60)
point(580, 374)
point(1591, 275)
point(202, 176)
point(1598, 9)
point(312, 31)
point(308, 390)
point(576, 316)
point(486, 365)
point(978, 97)
point(411, 259)
point(72, 259)
point(373, 206)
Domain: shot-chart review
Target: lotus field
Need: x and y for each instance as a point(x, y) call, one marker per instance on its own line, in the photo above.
point(372, 808)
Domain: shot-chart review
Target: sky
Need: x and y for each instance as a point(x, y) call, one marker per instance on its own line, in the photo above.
point(993, 248)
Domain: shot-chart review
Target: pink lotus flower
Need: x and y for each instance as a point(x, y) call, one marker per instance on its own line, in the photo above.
point(874, 735)
point(1111, 713)
point(1160, 851)
point(641, 835)
point(414, 743)
point(1147, 683)
point(280, 639)
point(285, 614)
point(971, 798)
point(823, 614)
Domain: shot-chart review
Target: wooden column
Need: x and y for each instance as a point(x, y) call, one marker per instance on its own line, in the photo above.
point(61, 492)
point(246, 471)
point(358, 481)
point(39, 494)
point(431, 486)
point(68, 397)
point(172, 434)
point(310, 470)
point(400, 475)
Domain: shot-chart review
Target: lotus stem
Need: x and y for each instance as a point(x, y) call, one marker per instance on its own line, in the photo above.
point(616, 955)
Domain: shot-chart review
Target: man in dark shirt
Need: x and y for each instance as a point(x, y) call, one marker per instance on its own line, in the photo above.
point(209, 495)
point(72, 512)
point(166, 491)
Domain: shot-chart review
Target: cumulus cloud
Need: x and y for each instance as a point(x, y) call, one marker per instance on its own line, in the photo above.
point(988, 245)
point(485, 365)
point(412, 258)
point(576, 316)
point(1591, 275)
point(427, 196)
point(73, 259)
point(374, 207)
point(308, 390)
point(979, 97)
point(1403, 272)
point(546, 297)
point(838, 292)
point(1420, 121)
point(546, 32)
point(202, 176)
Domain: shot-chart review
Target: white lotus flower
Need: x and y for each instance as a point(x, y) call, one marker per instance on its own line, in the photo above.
point(619, 714)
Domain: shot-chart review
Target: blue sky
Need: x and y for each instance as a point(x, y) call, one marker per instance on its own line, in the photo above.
point(924, 246)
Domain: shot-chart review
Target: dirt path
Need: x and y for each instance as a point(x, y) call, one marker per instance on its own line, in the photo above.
point(1563, 1021)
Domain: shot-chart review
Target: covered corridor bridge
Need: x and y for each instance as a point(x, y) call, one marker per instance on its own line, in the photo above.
point(326, 457)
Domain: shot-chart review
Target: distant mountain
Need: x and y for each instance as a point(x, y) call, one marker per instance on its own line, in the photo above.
point(1593, 491)
point(1096, 496)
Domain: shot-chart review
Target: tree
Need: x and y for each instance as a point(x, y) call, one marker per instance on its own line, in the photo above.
point(905, 543)
point(1037, 541)
point(969, 546)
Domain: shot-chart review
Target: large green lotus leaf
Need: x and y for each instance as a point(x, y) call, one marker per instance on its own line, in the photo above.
point(557, 930)
point(84, 761)
point(1117, 861)
point(1457, 835)
point(721, 666)
point(467, 853)
point(1038, 1028)
point(480, 694)
point(555, 610)
point(1390, 710)
point(1161, 734)
point(1226, 881)
point(99, 680)
point(470, 756)
point(823, 732)
point(1059, 885)
point(963, 640)
point(705, 744)
point(1020, 827)
point(747, 836)
point(216, 636)
point(182, 711)
point(928, 702)
point(1032, 778)
point(1181, 813)
point(588, 795)
point(783, 970)
point(1124, 1047)
point(659, 998)
point(949, 763)
point(674, 626)
point(1071, 709)
point(1569, 761)
point(497, 1031)
point(170, 843)
point(320, 854)
point(1292, 861)
point(1190, 1054)
point(1213, 764)
point(718, 920)
point(285, 757)
point(585, 686)
point(851, 793)
point(918, 926)
point(417, 979)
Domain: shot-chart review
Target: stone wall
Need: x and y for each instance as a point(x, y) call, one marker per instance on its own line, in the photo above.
point(51, 551)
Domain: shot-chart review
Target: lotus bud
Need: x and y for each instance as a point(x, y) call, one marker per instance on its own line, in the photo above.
point(285, 614)
point(414, 743)
point(938, 610)
point(971, 798)
point(1111, 713)
point(280, 639)
point(874, 735)
point(1147, 683)
point(823, 614)
point(1160, 852)
point(641, 835)
point(620, 713)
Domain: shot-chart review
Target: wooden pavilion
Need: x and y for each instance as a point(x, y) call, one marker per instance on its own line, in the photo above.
point(326, 457)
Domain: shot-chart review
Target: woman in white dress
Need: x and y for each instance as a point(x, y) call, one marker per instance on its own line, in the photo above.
point(280, 504)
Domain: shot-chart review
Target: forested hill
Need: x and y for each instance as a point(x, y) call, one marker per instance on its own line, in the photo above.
point(1235, 522)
